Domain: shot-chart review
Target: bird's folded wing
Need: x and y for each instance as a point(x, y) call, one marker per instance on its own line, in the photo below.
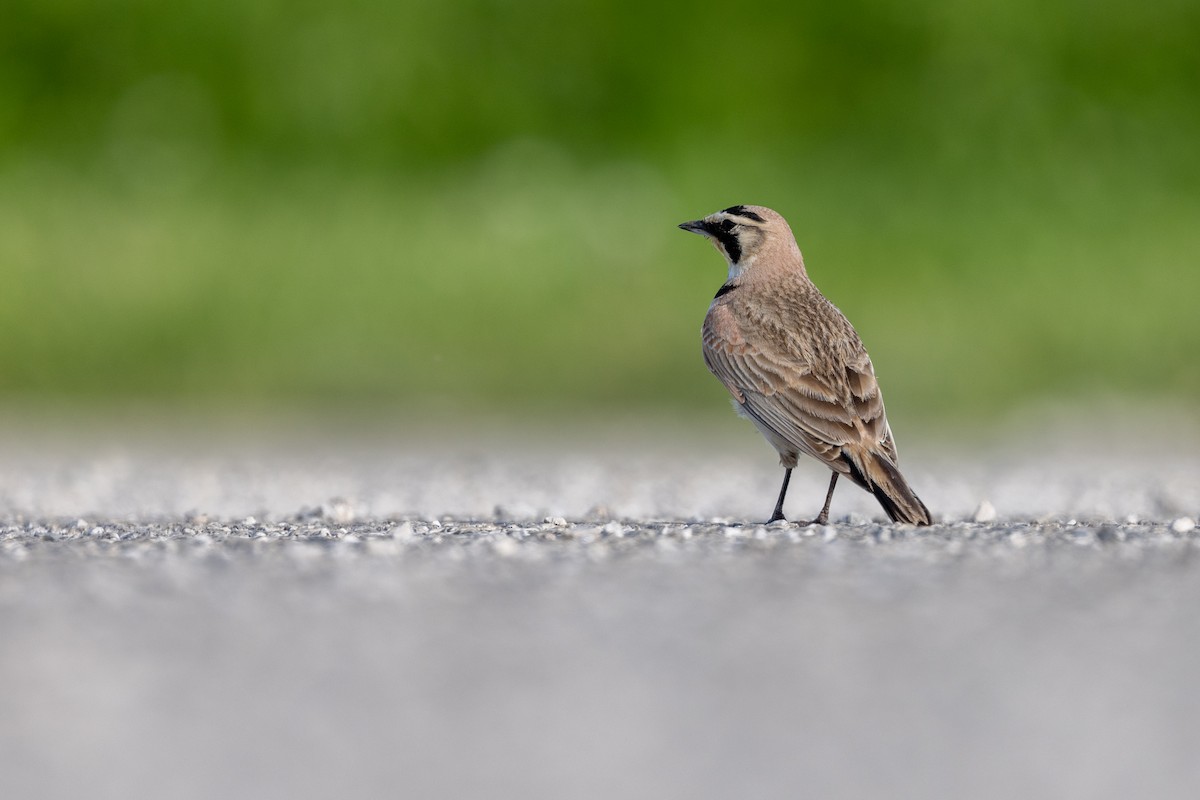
point(817, 415)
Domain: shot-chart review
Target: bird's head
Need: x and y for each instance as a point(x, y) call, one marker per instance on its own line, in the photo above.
point(743, 234)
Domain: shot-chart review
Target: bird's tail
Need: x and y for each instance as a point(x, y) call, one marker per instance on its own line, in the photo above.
point(880, 476)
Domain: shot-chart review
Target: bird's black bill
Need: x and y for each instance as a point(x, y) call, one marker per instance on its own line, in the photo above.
point(695, 226)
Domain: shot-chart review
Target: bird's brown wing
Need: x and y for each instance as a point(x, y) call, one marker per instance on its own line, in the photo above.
point(815, 411)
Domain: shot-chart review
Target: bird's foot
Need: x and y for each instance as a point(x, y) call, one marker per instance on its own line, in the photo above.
point(776, 518)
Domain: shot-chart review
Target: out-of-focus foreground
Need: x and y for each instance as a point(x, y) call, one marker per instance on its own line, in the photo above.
point(206, 620)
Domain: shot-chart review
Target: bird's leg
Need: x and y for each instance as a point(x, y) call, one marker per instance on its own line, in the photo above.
point(823, 517)
point(778, 515)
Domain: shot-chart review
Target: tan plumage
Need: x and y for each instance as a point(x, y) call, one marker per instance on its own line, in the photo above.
point(794, 364)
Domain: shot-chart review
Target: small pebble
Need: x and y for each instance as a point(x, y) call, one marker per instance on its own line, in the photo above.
point(1183, 525)
point(613, 529)
point(338, 510)
point(586, 535)
point(985, 512)
point(598, 512)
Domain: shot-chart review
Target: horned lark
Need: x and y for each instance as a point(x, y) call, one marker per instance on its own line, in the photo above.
point(794, 364)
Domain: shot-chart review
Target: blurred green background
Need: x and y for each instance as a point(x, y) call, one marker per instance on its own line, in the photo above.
point(469, 207)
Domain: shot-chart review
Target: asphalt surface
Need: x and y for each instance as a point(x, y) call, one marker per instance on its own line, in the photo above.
point(277, 615)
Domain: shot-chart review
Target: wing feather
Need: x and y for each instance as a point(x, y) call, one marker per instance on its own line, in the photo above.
point(800, 409)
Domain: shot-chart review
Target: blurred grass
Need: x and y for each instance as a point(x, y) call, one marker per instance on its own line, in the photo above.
point(468, 206)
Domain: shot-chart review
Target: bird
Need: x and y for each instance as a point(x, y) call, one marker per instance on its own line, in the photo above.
point(795, 366)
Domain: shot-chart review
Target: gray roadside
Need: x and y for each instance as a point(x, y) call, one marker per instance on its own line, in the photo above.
point(513, 618)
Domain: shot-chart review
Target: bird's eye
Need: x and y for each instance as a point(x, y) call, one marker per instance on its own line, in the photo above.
point(727, 225)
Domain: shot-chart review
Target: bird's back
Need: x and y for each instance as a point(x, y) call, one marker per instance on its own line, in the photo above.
point(797, 366)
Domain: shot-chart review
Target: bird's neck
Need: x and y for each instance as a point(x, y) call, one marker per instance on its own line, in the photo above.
point(736, 271)
point(771, 270)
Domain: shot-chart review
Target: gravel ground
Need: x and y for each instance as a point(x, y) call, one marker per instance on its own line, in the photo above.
point(281, 616)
